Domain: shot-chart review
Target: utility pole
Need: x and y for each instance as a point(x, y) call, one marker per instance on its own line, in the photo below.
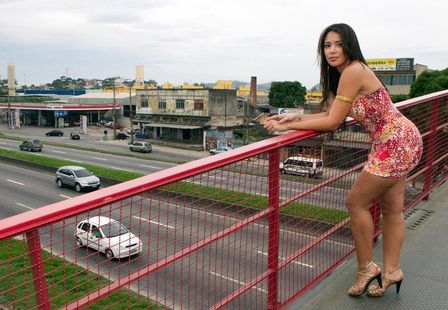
point(114, 116)
point(8, 116)
point(131, 115)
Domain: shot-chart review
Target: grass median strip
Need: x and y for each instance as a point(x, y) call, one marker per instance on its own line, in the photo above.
point(307, 211)
point(66, 282)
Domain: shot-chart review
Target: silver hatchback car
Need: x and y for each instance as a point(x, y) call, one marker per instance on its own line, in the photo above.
point(139, 146)
point(77, 177)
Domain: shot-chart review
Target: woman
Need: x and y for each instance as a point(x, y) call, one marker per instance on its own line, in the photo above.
point(352, 89)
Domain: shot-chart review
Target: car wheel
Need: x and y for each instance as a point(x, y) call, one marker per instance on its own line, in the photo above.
point(77, 187)
point(79, 242)
point(109, 254)
point(59, 183)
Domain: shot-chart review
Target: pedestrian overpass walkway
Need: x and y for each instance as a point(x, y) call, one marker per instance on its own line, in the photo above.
point(423, 261)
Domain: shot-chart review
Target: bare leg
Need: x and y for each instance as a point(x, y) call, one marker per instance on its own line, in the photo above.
point(365, 190)
point(392, 203)
point(393, 235)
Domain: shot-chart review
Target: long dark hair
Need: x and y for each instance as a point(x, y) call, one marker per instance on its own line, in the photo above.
point(329, 76)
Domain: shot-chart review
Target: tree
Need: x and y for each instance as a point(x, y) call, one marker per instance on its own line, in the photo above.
point(398, 98)
point(3, 87)
point(286, 94)
point(66, 83)
point(429, 82)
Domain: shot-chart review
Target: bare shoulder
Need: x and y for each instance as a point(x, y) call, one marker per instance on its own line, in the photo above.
point(361, 77)
point(355, 71)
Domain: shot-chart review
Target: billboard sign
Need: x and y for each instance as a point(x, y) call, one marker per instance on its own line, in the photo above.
point(382, 64)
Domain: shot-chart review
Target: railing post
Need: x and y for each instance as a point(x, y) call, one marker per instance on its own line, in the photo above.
point(431, 147)
point(274, 227)
point(38, 269)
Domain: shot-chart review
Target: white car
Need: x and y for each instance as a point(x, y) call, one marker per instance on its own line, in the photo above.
point(220, 150)
point(107, 236)
point(310, 167)
point(77, 177)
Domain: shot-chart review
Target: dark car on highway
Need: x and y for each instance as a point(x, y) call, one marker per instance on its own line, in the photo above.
point(32, 145)
point(74, 136)
point(55, 132)
point(121, 136)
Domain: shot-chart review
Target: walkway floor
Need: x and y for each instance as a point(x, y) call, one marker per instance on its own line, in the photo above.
point(423, 261)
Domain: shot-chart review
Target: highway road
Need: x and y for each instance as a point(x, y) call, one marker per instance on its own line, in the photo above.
point(164, 228)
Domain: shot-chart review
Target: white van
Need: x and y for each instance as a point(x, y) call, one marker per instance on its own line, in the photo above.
point(310, 167)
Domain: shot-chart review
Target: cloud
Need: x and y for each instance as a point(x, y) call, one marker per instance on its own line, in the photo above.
point(203, 41)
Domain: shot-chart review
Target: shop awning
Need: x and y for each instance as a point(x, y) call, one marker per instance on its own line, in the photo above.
point(165, 125)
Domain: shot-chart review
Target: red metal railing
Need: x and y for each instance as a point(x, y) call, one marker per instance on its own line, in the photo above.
point(227, 231)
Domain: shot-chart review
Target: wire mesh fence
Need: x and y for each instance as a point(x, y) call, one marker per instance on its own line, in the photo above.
point(252, 228)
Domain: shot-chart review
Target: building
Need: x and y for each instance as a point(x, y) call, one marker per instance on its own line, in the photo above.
point(396, 73)
point(198, 116)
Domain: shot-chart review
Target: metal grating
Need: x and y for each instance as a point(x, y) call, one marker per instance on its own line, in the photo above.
point(416, 217)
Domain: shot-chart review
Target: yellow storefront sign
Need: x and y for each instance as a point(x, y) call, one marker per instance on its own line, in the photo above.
point(382, 64)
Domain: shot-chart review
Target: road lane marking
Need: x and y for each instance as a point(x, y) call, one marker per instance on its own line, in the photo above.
point(236, 281)
point(148, 166)
point(301, 234)
point(59, 152)
point(100, 158)
point(25, 206)
point(153, 222)
point(218, 177)
point(283, 258)
point(64, 196)
point(15, 182)
point(118, 168)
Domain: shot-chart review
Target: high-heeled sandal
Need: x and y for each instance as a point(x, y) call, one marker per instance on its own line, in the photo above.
point(376, 291)
point(363, 278)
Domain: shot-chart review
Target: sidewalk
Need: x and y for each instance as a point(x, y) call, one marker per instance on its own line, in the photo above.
point(423, 261)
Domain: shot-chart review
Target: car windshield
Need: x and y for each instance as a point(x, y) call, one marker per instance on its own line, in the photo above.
point(114, 229)
point(36, 141)
point(82, 173)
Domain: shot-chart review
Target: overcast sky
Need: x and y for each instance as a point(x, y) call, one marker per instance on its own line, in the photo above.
point(207, 40)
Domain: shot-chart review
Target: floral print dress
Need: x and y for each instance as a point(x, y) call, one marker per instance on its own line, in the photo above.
point(396, 142)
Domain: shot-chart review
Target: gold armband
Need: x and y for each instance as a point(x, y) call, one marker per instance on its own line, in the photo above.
point(345, 99)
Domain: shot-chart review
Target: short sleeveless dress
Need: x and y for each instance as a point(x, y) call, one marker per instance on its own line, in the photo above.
point(396, 142)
